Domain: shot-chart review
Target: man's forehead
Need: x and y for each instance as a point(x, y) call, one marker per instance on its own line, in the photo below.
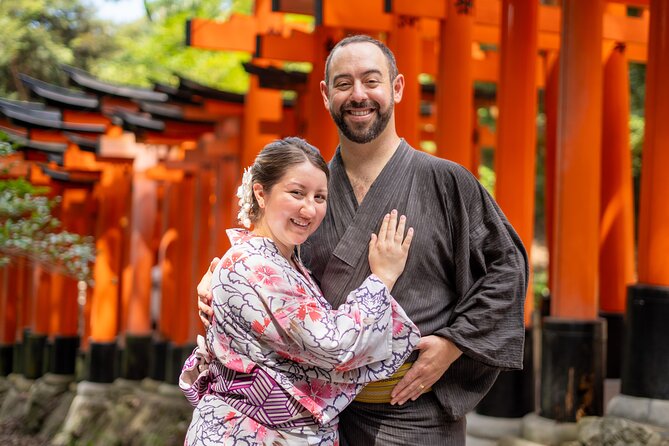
point(360, 53)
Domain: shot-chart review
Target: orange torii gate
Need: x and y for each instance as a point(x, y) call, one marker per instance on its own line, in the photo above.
point(200, 111)
point(645, 365)
point(51, 324)
point(426, 25)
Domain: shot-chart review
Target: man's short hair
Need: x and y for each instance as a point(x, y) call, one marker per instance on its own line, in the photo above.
point(362, 38)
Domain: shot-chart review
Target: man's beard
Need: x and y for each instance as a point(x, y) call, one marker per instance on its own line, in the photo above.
point(362, 136)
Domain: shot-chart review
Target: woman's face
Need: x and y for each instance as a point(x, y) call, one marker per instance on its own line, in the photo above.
point(294, 208)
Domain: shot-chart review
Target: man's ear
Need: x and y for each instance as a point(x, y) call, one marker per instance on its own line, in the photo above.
point(324, 92)
point(259, 193)
point(398, 88)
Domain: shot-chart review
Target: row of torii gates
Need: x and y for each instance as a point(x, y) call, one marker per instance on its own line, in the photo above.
point(151, 173)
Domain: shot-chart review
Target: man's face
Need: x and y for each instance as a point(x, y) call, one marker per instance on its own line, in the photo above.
point(360, 95)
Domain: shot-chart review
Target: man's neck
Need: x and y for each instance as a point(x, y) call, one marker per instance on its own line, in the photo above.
point(364, 162)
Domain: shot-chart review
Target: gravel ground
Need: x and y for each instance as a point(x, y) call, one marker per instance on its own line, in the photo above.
point(11, 436)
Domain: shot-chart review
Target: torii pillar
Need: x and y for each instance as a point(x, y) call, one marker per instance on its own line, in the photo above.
point(64, 336)
point(616, 255)
point(8, 322)
point(512, 394)
point(573, 344)
point(320, 131)
point(113, 192)
point(137, 329)
point(261, 105)
point(646, 349)
point(404, 40)
point(455, 95)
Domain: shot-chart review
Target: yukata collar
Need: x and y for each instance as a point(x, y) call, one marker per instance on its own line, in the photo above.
point(238, 236)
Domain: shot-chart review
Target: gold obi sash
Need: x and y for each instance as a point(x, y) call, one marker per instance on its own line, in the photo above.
point(379, 391)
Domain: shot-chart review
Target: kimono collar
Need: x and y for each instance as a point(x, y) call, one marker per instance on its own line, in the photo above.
point(238, 236)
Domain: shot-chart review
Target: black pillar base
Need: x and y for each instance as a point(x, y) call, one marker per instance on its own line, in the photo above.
point(34, 355)
point(572, 368)
point(17, 359)
point(615, 331)
point(101, 362)
point(63, 355)
point(6, 359)
point(645, 370)
point(136, 357)
point(176, 356)
point(512, 395)
point(158, 361)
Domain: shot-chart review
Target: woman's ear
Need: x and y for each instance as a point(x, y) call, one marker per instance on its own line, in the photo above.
point(259, 193)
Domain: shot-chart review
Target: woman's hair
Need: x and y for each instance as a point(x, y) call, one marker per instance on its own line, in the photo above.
point(275, 159)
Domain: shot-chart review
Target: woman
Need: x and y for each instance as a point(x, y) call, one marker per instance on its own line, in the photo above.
point(278, 363)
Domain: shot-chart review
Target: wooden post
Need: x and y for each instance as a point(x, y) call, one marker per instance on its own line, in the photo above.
point(75, 215)
point(653, 210)
point(176, 313)
point(574, 338)
point(261, 104)
point(454, 86)
point(516, 129)
point(551, 95)
point(576, 231)
point(515, 154)
point(8, 321)
point(616, 255)
point(113, 198)
point(36, 337)
point(404, 40)
point(645, 365)
point(137, 332)
point(320, 130)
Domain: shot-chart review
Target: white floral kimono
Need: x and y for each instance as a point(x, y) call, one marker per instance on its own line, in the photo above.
point(278, 363)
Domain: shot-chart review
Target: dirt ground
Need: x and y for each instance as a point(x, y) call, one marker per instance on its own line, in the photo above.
point(10, 435)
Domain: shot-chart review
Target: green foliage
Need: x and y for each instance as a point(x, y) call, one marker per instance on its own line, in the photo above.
point(637, 125)
point(487, 178)
point(157, 51)
point(39, 35)
point(637, 75)
point(28, 228)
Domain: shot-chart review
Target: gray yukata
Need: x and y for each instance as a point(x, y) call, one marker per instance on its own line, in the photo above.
point(465, 280)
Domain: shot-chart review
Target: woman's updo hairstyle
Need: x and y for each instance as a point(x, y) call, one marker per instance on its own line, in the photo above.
point(271, 164)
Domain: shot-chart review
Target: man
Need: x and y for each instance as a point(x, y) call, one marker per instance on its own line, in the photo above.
point(465, 280)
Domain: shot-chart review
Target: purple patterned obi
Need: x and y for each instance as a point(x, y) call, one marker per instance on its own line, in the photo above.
point(256, 394)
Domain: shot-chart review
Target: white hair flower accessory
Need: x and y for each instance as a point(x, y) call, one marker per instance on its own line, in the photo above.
point(245, 195)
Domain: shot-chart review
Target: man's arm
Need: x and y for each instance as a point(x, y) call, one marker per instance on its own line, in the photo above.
point(487, 320)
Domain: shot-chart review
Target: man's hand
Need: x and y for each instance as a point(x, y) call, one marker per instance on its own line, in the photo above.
point(435, 357)
point(204, 295)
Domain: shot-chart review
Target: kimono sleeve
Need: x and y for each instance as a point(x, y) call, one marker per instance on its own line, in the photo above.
point(294, 320)
point(490, 278)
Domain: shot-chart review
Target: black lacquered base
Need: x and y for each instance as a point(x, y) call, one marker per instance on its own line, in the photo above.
point(63, 355)
point(158, 361)
point(6, 359)
point(615, 330)
point(136, 356)
point(101, 362)
point(17, 358)
point(34, 355)
point(645, 371)
point(572, 368)
point(176, 355)
point(512, 395)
